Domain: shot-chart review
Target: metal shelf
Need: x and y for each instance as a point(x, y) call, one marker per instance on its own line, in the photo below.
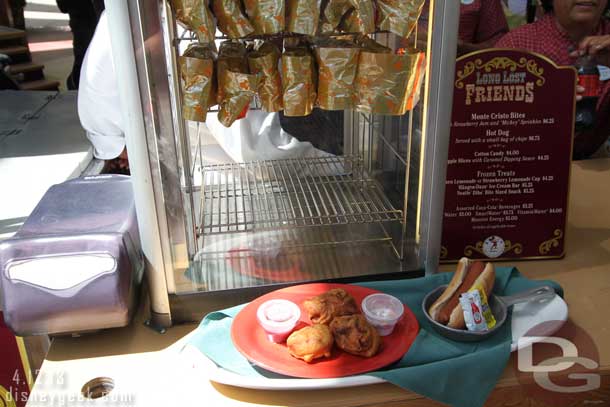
point(293, 193)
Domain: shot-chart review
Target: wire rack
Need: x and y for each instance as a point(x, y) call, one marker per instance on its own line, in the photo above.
point(291, 193)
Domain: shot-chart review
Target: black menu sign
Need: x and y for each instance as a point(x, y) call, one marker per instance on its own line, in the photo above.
point(509, 157)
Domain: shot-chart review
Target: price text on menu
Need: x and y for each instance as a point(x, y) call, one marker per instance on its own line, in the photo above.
point(509, 157)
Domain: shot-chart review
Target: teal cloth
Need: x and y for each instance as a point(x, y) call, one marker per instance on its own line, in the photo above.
point(455, 373)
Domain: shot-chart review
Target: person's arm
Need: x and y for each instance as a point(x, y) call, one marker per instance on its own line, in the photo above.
point(597, 45)
point(588, 142)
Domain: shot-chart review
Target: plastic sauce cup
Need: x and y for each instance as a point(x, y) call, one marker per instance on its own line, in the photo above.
point(278, 318)
point(383, 312)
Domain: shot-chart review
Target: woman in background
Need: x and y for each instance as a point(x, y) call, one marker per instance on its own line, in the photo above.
point(569, 29)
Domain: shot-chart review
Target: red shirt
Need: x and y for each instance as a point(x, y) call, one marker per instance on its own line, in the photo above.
point(481, 21)
point(546, 37)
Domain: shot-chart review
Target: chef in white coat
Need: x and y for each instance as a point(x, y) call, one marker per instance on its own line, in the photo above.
point(258, 136)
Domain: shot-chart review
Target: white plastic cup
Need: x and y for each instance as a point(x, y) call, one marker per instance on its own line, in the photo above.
point(382, 311)
point(278, 318)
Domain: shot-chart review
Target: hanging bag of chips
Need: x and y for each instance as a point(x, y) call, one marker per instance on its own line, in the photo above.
point(231, 56)
point(197, 17)
point(337, 67)
point(266, 16)
point(198, 82)
point(302, 16)
point(239, 89)
point(264, 60)
point(386, 82)
point(299, 82)
point(231, 18)
point(398, 16)
point(360, 19)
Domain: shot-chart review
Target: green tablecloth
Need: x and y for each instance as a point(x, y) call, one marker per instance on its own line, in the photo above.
point(455, 373)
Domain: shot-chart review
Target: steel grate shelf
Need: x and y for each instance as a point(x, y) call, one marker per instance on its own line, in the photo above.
point(302, 192)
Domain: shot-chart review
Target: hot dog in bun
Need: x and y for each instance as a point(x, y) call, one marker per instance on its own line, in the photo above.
point(469, 274)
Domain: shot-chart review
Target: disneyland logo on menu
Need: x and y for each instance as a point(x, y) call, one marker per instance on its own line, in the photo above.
point(561, 369)
point(500, 87)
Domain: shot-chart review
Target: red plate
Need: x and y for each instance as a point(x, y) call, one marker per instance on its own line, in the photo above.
point(250, 339)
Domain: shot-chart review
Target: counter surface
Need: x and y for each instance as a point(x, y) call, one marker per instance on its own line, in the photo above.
point(147, 371)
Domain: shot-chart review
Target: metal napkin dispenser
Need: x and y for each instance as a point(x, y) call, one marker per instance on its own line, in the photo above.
point(76, 264)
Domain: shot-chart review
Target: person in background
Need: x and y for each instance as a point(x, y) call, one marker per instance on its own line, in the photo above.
point(569, 29)
point(84, 15)
point(482, 23)
point(99, 107)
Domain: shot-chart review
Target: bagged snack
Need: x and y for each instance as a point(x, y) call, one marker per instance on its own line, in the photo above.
point(266, 16)
point(231, 19)
point(196, 15)
point(387, 83)
point(337, 67)
point(360, 19)
point(398, 16)
point(198, 82)
point(369, 44)
point(299, 82)
point(239, 89)
point(264, 61)
point(302, 16)
point(473, 314)
point(332, 14)
point(231, 56)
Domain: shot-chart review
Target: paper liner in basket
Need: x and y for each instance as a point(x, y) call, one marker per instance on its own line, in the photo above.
point(299, 82)
point(196, 15)
point(231, 19)
point(386, 83)
point(264, 61)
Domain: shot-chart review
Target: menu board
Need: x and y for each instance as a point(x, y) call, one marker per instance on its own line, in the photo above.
point(510, 150)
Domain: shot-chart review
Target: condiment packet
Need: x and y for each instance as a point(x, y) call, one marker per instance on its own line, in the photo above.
point(473, 311)
point(487, 314)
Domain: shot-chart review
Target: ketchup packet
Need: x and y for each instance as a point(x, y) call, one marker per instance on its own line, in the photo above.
point(487, 314)
point(473, 311)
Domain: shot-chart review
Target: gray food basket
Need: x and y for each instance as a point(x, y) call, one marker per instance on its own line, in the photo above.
point(76, 263)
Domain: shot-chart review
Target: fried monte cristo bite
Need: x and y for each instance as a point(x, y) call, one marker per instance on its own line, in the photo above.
point(310, 343)
point(355, 335)
point(333, 303)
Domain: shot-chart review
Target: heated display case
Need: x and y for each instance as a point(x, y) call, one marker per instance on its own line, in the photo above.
point(230, 230)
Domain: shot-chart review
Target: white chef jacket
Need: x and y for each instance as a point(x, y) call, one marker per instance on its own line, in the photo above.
point(257, 137)
point(99, 105)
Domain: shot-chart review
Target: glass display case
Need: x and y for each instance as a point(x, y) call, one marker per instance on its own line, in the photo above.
point(367, 205)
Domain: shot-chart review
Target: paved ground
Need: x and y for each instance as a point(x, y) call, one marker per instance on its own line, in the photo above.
point(50, 39)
